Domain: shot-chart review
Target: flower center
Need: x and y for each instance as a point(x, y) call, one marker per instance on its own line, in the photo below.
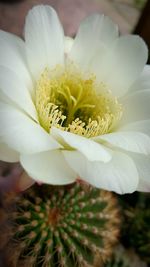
point(67, 100)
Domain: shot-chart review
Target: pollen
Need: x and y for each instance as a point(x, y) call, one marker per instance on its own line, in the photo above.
point(68, 100)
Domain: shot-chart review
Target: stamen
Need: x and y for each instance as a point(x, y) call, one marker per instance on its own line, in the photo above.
point(67, 100)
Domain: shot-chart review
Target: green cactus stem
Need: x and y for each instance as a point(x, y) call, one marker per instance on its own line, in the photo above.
point(63, 227)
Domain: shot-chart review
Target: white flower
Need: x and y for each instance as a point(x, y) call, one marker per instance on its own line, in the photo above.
point(76, 109)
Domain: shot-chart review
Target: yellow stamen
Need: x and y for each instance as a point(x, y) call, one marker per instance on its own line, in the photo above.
point(67, 100)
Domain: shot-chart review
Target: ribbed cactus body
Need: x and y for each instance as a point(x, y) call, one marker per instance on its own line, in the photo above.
point(63, 227)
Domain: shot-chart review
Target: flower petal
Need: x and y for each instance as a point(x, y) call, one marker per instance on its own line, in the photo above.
point(142, 163)
point(68, 44)
point(23, 134)
point(44, 39)
point(123, 64)
point(92, 150)
point(130, 141)
point(12, 56)
point(138, 126)
point(95, 34)
point(143, 83)
point(136, 107)
point(8, 154)
point(15, 90)
point(119, 175)
point(48, 167)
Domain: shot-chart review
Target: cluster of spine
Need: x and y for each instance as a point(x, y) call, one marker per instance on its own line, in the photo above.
point(63, 227)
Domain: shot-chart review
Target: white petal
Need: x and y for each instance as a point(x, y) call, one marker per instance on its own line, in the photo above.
point(143, 83)
point(95, 34)
point(143, 166)
point(123, 64)
point(138, 126)
point(23, 134)
point(136, 107)
point(92, 150)
point(118, 175)
point(68, 44)
point(44, 39)
point(8, 154)
point(4, 98)
point(15, 90)
point(48, 167)
point(12, 56)
point(130, 141)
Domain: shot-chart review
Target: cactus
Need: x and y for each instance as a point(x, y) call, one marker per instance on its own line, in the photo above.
point(136, 224)
point(119, 258)
point(118, 263)
point(62, 227)
point(125, 258)
point(140, 3)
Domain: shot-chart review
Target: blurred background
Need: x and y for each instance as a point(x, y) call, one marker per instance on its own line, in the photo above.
point(125, 13)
